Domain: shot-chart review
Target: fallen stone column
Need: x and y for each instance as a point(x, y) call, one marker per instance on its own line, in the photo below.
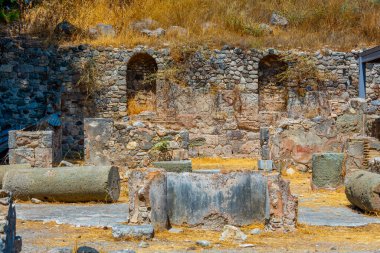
point(363, 190)
point(5, 168)
point(65, 184)
point(327, 170)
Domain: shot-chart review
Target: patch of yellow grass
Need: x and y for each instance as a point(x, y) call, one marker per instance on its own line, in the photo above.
point(300, 184)
point(134, 107)
point(224, 164)
point(312, 23)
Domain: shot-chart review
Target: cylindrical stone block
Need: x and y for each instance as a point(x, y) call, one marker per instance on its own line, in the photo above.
point(5, 168)
point(65, 184)
point(363, 190)
point(327, 170)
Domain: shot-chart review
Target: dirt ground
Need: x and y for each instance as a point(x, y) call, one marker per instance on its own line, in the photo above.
point(40, 237)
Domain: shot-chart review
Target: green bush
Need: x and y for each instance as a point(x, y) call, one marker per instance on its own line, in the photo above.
point(9, 11)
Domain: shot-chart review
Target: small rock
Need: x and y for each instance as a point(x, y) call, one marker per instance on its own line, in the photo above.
point(203, 243)
point(86, 249)
point(138, 124)
point(143, 244)
point(65, 29)
point(132, 145)
point(266, 28)
point(36, 201)
point(302, 167)
point(290, 171)
point(279, 20)
point(333, 248)
point(176, 230)
point(255, 231)
point(65, 163)
point(60, 250)
point(154, 33)
point(133, 232)
point(247, 245)
point(232, 233)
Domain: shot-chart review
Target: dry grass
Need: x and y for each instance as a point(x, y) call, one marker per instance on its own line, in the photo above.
point(306, 238)
point(134, 107)
point(338, 24)
point(224, 164)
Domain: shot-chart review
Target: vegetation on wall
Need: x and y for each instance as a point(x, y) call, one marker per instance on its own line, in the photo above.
point(312, 23)
point(9, 11)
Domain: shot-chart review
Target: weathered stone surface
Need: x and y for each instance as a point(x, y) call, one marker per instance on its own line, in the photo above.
point(231, 233)
point(362, 190)
point(281, 213)
point(79, 215)
point(66, 184)
point(5, 168)
point(266, 165)
point(327, 170)
point(279, 20)
point(98, 132)
point(174, 166)
point(147, 198)
point(234, 198)
point(374, 165)
point(133, 232)
point(334, 217)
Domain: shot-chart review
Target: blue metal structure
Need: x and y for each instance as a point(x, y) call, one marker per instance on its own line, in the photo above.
point(369, 56)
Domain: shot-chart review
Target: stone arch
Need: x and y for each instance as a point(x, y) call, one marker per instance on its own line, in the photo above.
point(272, 93)
point(141, 83)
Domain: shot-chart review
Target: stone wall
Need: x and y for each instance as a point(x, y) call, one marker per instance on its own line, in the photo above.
point(37, 148)
point(219, 101)
point(132, 144)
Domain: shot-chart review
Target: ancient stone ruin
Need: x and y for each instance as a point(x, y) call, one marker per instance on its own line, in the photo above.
point(140, 116)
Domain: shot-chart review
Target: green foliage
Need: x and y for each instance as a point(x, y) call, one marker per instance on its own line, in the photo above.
point(9, 11)
point(161, 146)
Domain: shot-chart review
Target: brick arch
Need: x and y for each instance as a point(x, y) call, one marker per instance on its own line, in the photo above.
point(272, 93)
point(141, 83)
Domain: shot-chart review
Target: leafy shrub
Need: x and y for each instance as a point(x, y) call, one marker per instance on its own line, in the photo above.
point(9, 11)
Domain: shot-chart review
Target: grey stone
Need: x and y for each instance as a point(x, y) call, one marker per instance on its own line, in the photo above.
point(231, 233)
point(266, 165)
point(86, 249)
point(279, 20)
point(334, 217)
point(100, 215)
point(175, 230)
point(36, 201)
point(133, 232)
point(174, 166)
point(61, 250)
point(246, 245)
point(327, 170)
point(143, 24)
point(65, 29)
point(154, 33)
point(203, 243)
point(255, 231)
point(143, 244)
point(234, 198)
point(102, 30)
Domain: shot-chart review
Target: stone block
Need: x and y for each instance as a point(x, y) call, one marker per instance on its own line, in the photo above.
point(180, 154)
point(133, 232)
point(12, 139)
point(43, 157)
point(98, 132)
point(266, 165)
point(174, 166)
point(327, 170)
point(214, 200)
point(22, 156)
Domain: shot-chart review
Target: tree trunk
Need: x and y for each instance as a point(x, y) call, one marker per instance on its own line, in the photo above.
point(65, 184)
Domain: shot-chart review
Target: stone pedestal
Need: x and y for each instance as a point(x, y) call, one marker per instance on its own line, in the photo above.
point(328, 170)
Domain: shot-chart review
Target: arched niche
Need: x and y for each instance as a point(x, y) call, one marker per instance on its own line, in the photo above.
point(141, 83)
point(272, 93)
